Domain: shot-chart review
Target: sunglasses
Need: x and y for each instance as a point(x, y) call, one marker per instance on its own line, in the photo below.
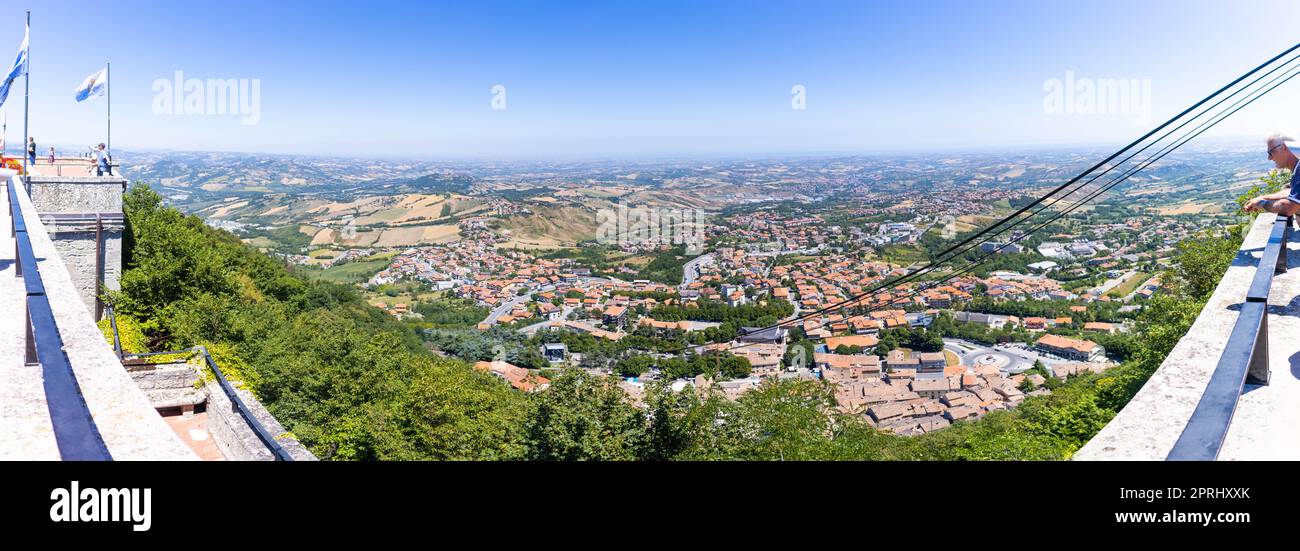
point(1274, 148)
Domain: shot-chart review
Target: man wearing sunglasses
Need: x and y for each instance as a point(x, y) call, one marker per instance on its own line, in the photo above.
point(1287, 201)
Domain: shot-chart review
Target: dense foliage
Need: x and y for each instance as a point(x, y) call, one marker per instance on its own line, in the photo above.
point(450, 312)
point(344, 377)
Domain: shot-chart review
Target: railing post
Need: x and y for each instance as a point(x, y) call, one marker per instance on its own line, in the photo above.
point(99, 267)
point(15, 210)
point(1258, 373)
point(117, 341)
point(29, 356)
point(1286, 238)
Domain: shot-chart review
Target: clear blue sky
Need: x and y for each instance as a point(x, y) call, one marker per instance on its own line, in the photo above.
point(629, 78)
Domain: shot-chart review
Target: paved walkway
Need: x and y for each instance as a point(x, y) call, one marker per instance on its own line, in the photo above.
point(193, 431)
point(25, 429)
point(1266, 425)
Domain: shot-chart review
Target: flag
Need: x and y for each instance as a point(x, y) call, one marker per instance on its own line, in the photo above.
point(93, 86)
point(20, 68)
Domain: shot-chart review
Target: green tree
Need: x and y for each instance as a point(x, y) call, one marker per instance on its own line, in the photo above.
point(584, 417)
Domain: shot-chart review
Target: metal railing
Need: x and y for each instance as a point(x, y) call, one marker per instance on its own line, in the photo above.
point(75, 433)
point(117, 339)
point(236, 402)
point(1244, 360)
point(52, 220)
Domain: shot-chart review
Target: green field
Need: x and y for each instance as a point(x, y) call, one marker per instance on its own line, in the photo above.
point(354, 272)
point(903, 254)
point(1129, 285)
point(260, 243)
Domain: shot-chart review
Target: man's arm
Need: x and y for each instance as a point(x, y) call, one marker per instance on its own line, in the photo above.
point(1254, 204)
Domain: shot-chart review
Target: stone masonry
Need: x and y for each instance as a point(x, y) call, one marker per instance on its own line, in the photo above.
point(75, 210)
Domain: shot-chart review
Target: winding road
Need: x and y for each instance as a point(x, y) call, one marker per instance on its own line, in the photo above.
point(506, 307)
point(691, 270)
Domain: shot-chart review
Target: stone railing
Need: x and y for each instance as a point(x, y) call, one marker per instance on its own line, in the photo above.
point(79, 403)
point(1213, 396)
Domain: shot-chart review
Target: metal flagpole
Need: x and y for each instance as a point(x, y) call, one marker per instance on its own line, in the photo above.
point(27, 89)
point(108, 75)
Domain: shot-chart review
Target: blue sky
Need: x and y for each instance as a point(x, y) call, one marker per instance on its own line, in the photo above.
point(595, 79)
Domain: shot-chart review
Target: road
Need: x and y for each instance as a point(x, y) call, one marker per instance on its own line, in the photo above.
point(1015, 358)
point(691, 270)
point(506, 307)
point(1113, 283)
point(532, 329)
point(1129, 297)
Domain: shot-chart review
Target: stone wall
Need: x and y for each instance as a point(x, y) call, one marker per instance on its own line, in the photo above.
point(77, 193)
point(236, 439)
point(75, 241)
point(169, 385)
point(178, 385)
point(68, 206)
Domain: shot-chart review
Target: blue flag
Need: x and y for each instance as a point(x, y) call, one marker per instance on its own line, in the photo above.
point(93, 86)
point(20, 68)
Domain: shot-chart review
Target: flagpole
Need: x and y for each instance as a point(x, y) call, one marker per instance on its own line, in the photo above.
point(27, 89)
point(108, 75)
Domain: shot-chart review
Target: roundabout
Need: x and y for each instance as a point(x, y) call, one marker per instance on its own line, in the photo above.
point(1009, 359)
point(985, 358)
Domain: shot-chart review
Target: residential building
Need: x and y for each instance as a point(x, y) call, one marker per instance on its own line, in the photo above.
point(1073, 349)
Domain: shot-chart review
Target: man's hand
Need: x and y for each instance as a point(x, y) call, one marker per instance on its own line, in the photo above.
point(1259, 204)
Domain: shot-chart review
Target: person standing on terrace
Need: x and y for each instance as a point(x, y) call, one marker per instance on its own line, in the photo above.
point(1285, 202)
point(102, 161)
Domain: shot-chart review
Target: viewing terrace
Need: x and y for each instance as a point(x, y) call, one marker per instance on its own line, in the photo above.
point(1230, 388)
point(67, 166)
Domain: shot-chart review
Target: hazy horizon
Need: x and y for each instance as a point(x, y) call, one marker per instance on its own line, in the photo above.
point(581, 80)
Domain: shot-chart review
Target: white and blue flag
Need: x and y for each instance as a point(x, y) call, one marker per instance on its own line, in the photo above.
point(19, 68)
point(93, 86)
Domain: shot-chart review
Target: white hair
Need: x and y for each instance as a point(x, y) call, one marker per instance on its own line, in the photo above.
point(1279, 138)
